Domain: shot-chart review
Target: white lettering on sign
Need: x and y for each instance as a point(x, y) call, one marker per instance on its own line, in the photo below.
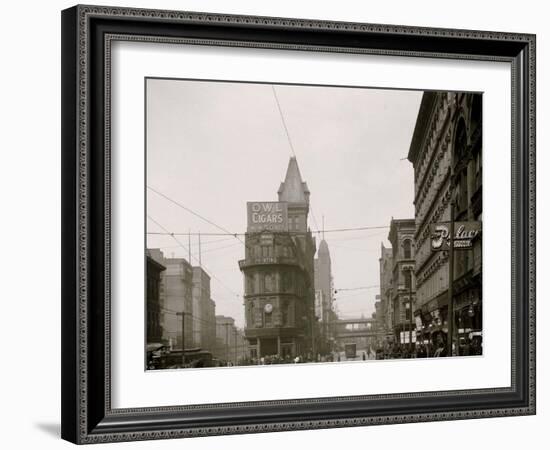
point(267, 216)
point(464, 234)
point(267, 207)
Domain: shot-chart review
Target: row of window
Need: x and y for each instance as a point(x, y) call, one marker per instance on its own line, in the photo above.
point(281, 315)
point(358, 326)
point(279, 281)
point(269, 251)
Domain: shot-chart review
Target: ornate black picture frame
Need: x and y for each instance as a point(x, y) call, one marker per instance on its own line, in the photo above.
point(87, 34)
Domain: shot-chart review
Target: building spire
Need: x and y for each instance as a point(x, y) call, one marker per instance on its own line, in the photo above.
point(293, 189)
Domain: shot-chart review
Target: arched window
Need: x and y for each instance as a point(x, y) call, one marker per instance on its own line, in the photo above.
point(407, 249)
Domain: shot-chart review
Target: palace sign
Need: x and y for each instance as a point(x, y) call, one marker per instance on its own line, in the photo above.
point(465, 232)
point(267, 216)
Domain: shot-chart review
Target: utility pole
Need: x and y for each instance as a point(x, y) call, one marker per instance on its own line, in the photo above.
point(182, 314)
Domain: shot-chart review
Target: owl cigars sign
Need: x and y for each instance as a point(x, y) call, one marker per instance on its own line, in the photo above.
point(464, 235)
point(272, 216)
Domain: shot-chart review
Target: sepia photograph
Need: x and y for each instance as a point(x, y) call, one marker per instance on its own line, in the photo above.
point(290, 224)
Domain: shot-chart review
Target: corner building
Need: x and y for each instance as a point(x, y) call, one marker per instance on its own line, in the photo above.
point(403, 289)
point(446, 153)
point(278, 273)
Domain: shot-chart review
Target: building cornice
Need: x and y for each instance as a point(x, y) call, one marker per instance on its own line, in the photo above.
point(422, 122)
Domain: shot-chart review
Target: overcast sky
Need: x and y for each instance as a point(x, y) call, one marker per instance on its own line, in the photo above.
point(213, 146)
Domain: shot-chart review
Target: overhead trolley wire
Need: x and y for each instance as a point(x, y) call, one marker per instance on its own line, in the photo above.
point(189, 210)
point(209, 273)
point(335, 230)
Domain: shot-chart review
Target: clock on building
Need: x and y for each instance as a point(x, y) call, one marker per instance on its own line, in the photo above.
point(268, 308)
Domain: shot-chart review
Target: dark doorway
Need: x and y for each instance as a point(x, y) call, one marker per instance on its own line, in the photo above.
point(269, 347)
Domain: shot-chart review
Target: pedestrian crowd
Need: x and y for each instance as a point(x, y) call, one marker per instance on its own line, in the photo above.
point(287, 359)
point(467, 347)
